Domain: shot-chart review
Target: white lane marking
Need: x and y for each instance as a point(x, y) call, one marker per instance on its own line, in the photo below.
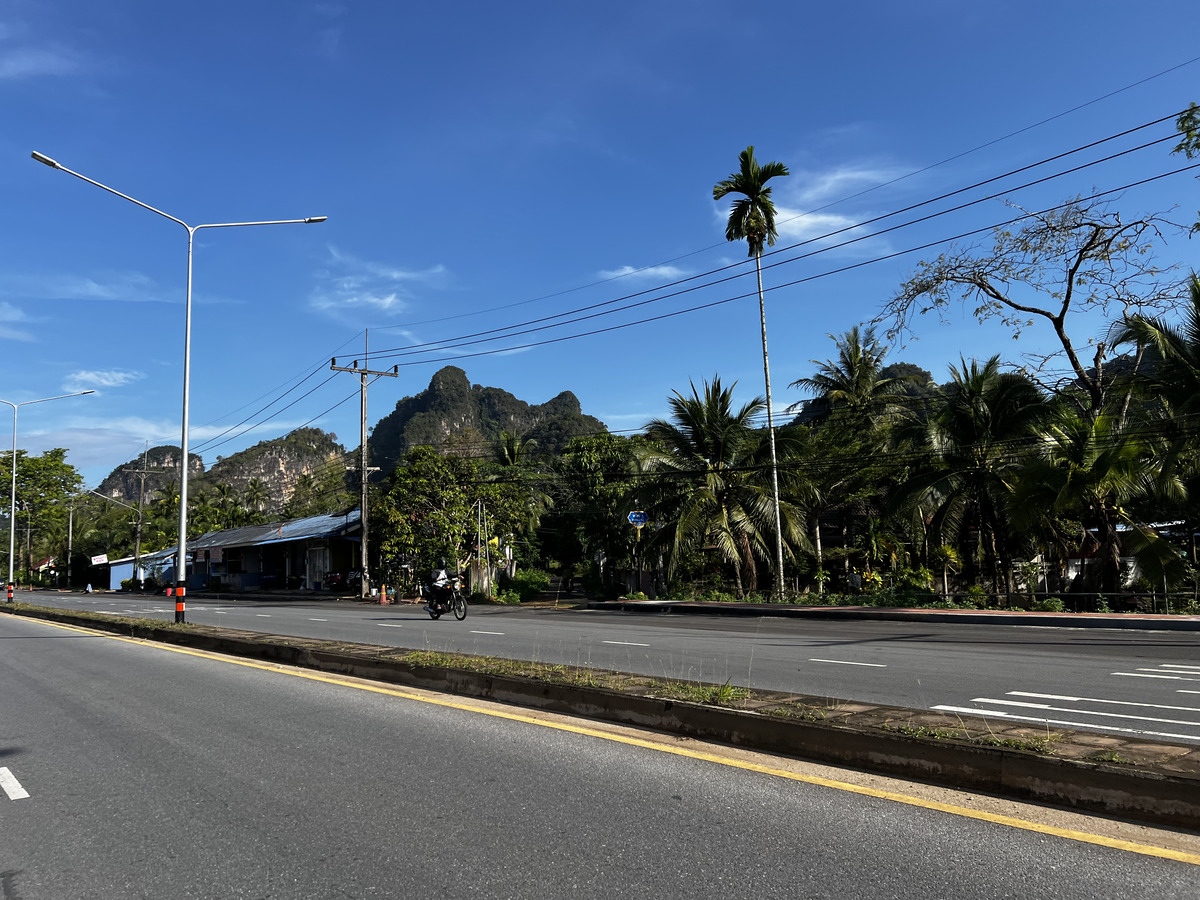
point(389, 625)
point(1139, 674)
point(220, 612)
point(318, 620)
point(11, 786)
point(1180, 691)
point(1178, 666)
point(1079, 712)
point(487, 632)
point(1100, 700)
point(1085, 726)
point(262, 615)
point(844, 662)
point(626, 643)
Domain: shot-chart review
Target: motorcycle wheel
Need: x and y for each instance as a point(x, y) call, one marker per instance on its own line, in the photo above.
point(460, 607)
point(434, 614)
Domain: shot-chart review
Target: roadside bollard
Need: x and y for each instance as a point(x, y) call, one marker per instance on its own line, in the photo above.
point(10, 592)
point(383, 600)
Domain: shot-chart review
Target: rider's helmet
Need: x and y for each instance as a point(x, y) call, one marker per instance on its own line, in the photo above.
point(442, 562)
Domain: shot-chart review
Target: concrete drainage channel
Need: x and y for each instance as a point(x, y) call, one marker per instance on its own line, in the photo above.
point(1141, 780)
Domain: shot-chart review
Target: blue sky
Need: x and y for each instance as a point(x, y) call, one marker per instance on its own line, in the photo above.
point(483, 165)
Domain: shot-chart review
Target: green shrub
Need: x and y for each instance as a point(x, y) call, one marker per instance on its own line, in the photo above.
point(503, 598)
point(527, 583)
point(1048, 604)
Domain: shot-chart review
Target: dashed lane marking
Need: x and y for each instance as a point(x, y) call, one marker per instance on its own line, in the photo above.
point(846, 662)
point(626, 643)
point(1082, 712)
point(1082, 726)
point(11, 786)
point(1068, 699)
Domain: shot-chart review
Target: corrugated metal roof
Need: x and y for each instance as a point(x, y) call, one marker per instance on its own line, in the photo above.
point(277, 532)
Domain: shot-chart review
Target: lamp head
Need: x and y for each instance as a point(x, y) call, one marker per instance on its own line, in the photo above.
point(44, 160)
point(309, 221)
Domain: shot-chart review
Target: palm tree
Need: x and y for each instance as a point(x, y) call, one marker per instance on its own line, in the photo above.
point(752, 219)
point(512, 455)
point(854, 383)
point(255, 494)
point(1094, 469)
point(1176, 376)
point(710, 460)
point(974, 438)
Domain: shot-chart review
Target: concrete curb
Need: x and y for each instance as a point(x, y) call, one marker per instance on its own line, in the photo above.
point(1157, 796)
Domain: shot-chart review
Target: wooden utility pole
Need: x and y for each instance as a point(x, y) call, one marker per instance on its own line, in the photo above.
point(363, 471)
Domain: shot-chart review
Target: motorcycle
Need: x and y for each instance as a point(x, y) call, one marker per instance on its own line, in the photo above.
point(447, 599)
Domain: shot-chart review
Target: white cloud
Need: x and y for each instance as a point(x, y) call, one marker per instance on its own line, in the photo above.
point(648, 273)
point(133, 287)
point(10, 314)
point(84, 380)
point(23, 56)
point(35, 62)
point(354, 284)
point(804, 202)
point(809, 189)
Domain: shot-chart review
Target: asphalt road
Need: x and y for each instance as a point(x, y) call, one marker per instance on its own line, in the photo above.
point(1104, 680)
point(130, 769)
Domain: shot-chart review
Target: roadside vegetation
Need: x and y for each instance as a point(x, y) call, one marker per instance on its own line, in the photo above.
point(1064, 482)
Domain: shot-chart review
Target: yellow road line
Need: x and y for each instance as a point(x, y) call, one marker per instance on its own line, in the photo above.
point(1009, 821)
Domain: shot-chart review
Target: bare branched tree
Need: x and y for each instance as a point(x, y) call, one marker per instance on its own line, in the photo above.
point(1064, 268)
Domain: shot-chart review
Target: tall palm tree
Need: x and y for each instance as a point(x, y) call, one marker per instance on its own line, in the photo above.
point(710, 460)
point(752, 219)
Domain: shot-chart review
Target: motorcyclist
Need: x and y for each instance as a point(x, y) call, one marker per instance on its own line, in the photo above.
point(439, 586)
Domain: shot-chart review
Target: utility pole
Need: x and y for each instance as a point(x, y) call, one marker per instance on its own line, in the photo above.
point(363, 471)
point(137, 539)
point(70, 534)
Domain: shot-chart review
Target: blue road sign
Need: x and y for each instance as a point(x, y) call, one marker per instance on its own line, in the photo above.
point(637, 518)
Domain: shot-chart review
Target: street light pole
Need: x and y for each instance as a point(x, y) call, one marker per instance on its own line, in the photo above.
point(12, 507)
point(181, 556)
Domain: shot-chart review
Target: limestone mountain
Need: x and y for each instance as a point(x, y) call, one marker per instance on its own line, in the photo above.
point(280, 464)
point(457, 417)
point(161, 468)
point(303, 457)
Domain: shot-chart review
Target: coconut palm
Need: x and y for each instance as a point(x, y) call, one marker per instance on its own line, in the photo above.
point(974, 438)
point(1094, 469)
point(711, 466)
point(854, 383)
point(255, 494)
point(752, 219)
point(1176, 375)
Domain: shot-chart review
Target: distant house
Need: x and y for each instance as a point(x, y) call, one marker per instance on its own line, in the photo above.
point(297, 554)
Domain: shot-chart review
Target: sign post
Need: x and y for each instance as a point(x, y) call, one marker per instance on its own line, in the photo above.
point(638, 519)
